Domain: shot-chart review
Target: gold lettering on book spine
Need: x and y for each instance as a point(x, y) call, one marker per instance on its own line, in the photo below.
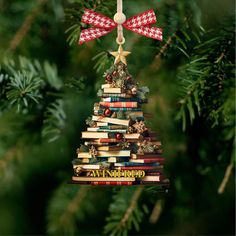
point(109, 173)
point(117, 173)
point(141, 173)
point(95, 173)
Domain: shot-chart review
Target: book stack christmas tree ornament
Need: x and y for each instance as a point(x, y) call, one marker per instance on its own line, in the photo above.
point(119, 149)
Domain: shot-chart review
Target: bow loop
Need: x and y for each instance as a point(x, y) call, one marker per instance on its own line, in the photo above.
point(150, 32)
point(140, 24)
point(142, 19)
point(97, 20)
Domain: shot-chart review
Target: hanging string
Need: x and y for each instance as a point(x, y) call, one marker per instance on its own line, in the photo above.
point(120, 18)
point(119, 6)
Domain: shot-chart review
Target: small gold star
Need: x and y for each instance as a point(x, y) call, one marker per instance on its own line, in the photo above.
point(120, 55)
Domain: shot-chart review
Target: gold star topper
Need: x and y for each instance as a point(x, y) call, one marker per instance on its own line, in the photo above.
point(120, 55)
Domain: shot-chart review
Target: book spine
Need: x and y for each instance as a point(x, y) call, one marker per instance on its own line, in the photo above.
point(117, 159)
point(153, 160)
point(159, 159)
point(96, 143)
point(113, 130)
point(108, 148)
point(113, 127)
point(152, 173)
point(94, 135)
point(121, 95)
point(117, 99)
point(139, 164)
point(147, 157)
point(111, 140)
point(120, 104)
point(159, 183)
point(113, 183)
point(107, 86)
point(113, 121)
point(125, 109)
point(113, 90)
point(118, 109)
point(151, 168)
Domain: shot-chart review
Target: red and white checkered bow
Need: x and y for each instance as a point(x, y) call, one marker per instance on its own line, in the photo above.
point(140, 24)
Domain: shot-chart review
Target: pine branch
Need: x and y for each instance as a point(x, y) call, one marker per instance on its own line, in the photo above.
point(103, 61)
point(35, 88)
point(189, 89)
point(26, 25)
point(225, 180)
point(133, 203)
point(23, 88)
point(74, 14)
point(198, 78)
point(125, 212)
point(156, 212)
point(66, 208)
point(54, 122)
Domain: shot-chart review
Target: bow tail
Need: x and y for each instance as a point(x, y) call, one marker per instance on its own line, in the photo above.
point(92, 33)
point(150, 32)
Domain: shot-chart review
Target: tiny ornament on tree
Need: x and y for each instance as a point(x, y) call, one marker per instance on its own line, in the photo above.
point(114, 73)
point(107, 112)
point(128, 78)
point(117, 137)
point(134, 90)
point(109, 78)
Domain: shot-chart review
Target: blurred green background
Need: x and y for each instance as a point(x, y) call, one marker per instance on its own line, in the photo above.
point(48, 84)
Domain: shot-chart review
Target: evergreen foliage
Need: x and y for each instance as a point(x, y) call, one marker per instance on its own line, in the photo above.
point(43, 110)
point(125, 212)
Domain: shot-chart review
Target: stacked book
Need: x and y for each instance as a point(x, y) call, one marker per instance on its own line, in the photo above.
point(119, 149)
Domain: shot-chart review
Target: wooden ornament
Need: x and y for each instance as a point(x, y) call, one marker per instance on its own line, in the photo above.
point(119, 18)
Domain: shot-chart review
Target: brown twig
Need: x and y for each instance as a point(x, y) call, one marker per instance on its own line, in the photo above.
point(156, 61)
point(132, 205)
point(156, 212)
point(165, 46)
point(223, 53)
point(25, 27)
point(74, 204)
point(225, 180)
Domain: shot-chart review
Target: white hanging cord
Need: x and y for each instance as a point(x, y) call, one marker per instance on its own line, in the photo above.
point(119, 6)
point(120, 18)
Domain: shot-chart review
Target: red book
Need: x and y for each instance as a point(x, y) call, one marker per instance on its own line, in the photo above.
point(148, 160)
point(140, 168)
point(108, 140)
point(153, 173)
point(162, 182)
point(111, 183)
point(120, 104)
